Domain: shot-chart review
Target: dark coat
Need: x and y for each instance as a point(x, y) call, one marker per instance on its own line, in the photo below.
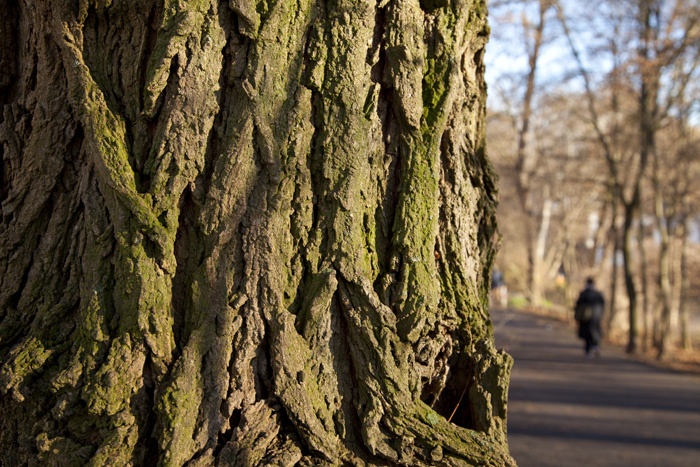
point(591, 330)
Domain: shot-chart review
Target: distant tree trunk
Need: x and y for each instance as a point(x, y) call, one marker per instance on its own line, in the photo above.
point(684, 288)
point(664, 275)
point(615, 268)
point(525, 163)
point(644, 286)
point(627, 232)
point(246, 234)
point(648, 121)
point(539, 249)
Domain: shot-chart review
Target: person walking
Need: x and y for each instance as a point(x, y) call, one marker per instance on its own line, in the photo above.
point(499, 290)
point(588, 312)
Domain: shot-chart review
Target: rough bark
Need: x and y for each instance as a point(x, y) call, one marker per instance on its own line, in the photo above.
point(246, 234)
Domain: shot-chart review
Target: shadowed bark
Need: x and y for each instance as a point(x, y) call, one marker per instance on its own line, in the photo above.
point(246, 234)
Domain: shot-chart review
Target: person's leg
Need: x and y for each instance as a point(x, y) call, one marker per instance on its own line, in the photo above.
point(589, 345)
point(596, 336)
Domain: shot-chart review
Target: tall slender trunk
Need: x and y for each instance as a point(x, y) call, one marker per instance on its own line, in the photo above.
point(539, 250)
point(684, 288)
point(627, 254)
point(648, 112)
point(615, 268)
point(644, 286)
point(524, 163)
point(664, 282)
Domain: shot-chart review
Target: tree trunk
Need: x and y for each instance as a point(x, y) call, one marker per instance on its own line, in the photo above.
point(664, 275)
point(525, 160)
point(684, 288)
point(538, 274)
point(648, 121)
point(615, 266)
point(627, 232)
point(644, 287)
point(247, 234)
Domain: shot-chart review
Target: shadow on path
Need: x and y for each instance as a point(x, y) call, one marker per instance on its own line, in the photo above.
point(564, 410)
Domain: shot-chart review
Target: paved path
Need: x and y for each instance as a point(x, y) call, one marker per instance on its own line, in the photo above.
point(564, 410)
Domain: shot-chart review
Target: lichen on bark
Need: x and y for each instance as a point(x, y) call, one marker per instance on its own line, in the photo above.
point(247, 233)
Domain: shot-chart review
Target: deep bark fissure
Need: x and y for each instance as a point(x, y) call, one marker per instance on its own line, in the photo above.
point(143, 166)
point(155, 18)
point(149, 451)
point(345, 369)
point(264, 386)
point(9, 41)
point(29, 273)
point(186, 249)
point(147, 126)
point(341, 297)
point(9, 58)
point(234, 61)
point(13, 300)
point(4, 178)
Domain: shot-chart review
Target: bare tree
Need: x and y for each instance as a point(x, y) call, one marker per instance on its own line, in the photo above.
point(674, 195)
point(536, 208)
point(661, 34)
point(604, 104)
point(676, 49)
